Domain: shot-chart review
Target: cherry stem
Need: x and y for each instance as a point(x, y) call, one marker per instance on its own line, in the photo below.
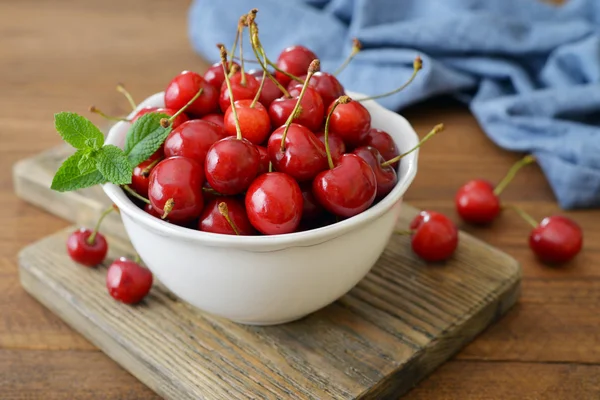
point(211, 191)
point(92, 238)
point(234, 46)
point(225, 213)
point(512, 172)
point(403, 232)
point(137, 259)
point(238, 130)
point(417, 66)
point(436, 129)
point(147, 170)
point(312, 68)
point(270, 166)
point(241, 33)
point(245, 60)
point(338, 101)
point(258, 51)
point(356, 46)
point(135, 194)
point(528, 218)
point(165, 122)
point(121, 89)
point(260, 88)
point(103, 115)
point(169, 204)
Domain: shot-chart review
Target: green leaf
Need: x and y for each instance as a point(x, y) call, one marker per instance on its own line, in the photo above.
point(78, 131)
point(87, 162)
point(113, 165)
point(68, 177)
point(145, 136)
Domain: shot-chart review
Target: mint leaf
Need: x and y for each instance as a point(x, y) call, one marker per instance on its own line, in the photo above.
point(87, 162)
point(68, 177)
point(78, 131)
point(145, 136)
point(113, 165)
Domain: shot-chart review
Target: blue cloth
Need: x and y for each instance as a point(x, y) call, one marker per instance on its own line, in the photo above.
point(529, 71)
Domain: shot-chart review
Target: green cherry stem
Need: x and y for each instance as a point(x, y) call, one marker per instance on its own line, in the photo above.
point(436, 129)
point(312, 68)
point(238, 130)
point(258, 53)
point(147, 170)
point(338, 101)
point(92, 238)
point(512, 172)
point(135, 194)
point(96, 110)
point(165, 122)
point(235, 42)
point(258, 93)
point(225, 213)
point(417, 66)
point(528, 218)
point(125, 92)
point(137, 259)
point(403, 232)
point(356, 47)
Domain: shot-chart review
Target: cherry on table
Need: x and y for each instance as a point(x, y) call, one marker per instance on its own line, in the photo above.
point(230, 219)
point(434, 237)
point(253, 118)
point(193, 139)
point(311, 109)
point(215, 118)
point(184, 87)
point(294, 60)
point(385, 175)
point(556, 239)
point(243, 86)
point(215, 74)
point(127, 281)
point(383, 142)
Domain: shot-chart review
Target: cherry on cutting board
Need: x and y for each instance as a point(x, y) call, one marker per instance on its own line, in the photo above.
point(127, 281)
point(88, 247)
point(184, 87)
point(434, 237)
point(226, 215)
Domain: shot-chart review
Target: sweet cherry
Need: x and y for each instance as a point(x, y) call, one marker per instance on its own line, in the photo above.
point(226, 215)
point(88, 247)
point(337, 147)
point(311, 209)
point(324, 83)
point(294, 60)
point(269, 92)
point(193, 139)
point(311, 109)
point(264, 160)
point(140, 176)
point(215, 119)
point(556, 239)
point(127, 281)
point(434, 236)
point(243, 86)
point(351, 122)
point(384, 175)
point(253, 119)
point(184, 87)
point(215, 74)
point(383, 142)
point(150, 210)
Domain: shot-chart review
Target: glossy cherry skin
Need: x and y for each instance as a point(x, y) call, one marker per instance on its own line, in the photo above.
point(180, 119)
point(348, 189)
point(139, 178)
point(240, 91)
point(193, 139)
point(294, 60)
point(231, 165)
point(150, 210)
point(434, 237)
point(184, 87)
point(337, 147)
point(84, 253)
point(556, 240)
point(264, 160)
point(311, 209)
point(386, 176)
point(476, 202)
point(213, 221)
point(215, 74)
point(351, 122)
point(383, 142)
point(304, 155)
point(254, 121)
point(180, 179)
point(326, 84)
point(127, 281)
point(312, 110)
point(269, 91)
point(215, 118)
point(274, 203)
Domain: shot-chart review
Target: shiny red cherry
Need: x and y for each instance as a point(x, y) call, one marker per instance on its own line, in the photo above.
point(241, 90)
point(215, 118)
point(348, 189)
point(269, 92)
point(295, 61)
point(140, 177)
point(213, 220)
point(351, 122)
point(476, 202)
point(434, 236)
point(175, 188)
point(556, 239)
point(150, 210)
point(337, 147)
point(311, 209)
point(83, 252)
point(184, 87)
point(264, 160)
point(127, 281)
point(304, 155)
point(193, 139)
point(231, 165)
point(383, 142)
point(274, 203)
point(326, 84)
point(386, 176)
point(254, 121)
point(180, 119)
point(311, 111)
point(215, 75)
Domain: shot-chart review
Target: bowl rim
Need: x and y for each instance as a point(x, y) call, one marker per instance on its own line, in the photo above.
point(266, 242)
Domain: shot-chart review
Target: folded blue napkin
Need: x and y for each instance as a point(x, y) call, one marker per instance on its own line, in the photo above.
point(530, 71)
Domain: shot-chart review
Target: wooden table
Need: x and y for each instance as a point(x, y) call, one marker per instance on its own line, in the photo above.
point(66, 55)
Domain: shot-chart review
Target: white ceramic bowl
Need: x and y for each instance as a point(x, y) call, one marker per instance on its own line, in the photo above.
point(264, 280)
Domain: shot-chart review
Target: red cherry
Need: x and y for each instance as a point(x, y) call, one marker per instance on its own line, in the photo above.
point(295, 61)
point(476, 202)
point(215, 119)
point(231, 165)
point(348, 189)
point(254, 121)
point(556, 239)
point(311, 209)
point(240, 91)
point(383, 142)
point(312, 110)
point(215, 74)
point(304, 154)
point(176, 189)
point(150, 210)
point(351, 122)
point(434, 236)
point(139, 178)
point(82, 252)
point(264, 160)
point(193, 139)
point(180, 119)
point(337, 147)
point(213, 220)
point(274, 203)
point(386, 176)
point(326, 84)
point(184, 87)
point(127, 281)
point(269, 92)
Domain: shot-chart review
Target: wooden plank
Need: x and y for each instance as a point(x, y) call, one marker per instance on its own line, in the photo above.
point(402, 321)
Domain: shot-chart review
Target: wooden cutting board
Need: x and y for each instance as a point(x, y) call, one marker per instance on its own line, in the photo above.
point(403, 320)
